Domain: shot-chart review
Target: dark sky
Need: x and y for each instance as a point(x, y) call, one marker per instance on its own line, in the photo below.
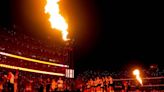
point(108, 34)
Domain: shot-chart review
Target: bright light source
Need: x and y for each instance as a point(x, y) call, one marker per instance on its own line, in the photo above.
point(56, 19)
point(30, 70)
point(136, 72)
point(32, 60)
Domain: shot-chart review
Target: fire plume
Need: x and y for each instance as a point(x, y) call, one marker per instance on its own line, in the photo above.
point(136, 72)
point(56, 20)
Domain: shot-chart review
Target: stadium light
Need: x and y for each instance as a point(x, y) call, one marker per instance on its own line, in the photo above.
point(32, 60)
point(30, 70)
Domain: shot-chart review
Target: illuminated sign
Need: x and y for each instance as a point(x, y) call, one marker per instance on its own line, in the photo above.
point(69, 73)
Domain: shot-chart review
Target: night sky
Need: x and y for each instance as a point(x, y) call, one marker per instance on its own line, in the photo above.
point(108, 34)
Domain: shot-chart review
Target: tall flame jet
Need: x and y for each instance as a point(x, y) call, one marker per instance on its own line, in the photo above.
point(56, 19)
point(136, 72)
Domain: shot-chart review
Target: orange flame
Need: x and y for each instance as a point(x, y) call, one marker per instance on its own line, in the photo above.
point(56, 19)
point(136, 72)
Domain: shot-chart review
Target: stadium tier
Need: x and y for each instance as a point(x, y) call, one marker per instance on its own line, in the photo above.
point(21, 50)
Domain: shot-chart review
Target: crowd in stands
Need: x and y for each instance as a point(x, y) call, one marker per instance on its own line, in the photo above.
point(21, 44)
point(88, 81)
point(31, 65)
point(17, 43)
point(24, 45)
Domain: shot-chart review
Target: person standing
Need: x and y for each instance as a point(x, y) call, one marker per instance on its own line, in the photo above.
point(53, 86)
point(48, 85)
point(28, 87)
point(60, 84)
point(10, 78)
point(1, 86)
point(41, 85)
point(16, 82)
point(111, 84)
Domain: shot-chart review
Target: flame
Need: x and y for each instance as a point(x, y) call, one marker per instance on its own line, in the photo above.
point(56, 19)
point(136, 72)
